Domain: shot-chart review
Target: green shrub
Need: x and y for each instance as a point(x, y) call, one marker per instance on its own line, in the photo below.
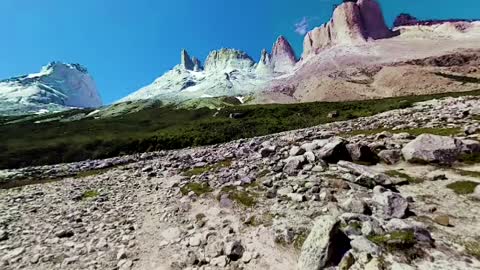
point(463, 187)
point(197, 188)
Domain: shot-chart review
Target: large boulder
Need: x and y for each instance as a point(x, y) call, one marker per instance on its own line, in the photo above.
point(325, 245)
point(428, 148)
point(362, 153)
point(334, 151)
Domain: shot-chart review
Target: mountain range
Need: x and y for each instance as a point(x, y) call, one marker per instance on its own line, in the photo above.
point(351, 57)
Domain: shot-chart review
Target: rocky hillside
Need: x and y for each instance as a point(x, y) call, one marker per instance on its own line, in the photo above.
point(353, 56)
point(398, 190)
point(56, 87)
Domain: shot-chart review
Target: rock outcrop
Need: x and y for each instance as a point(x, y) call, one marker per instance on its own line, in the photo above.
point(227, 60)
point(186, 62)
point(283, 56)
point(352, 23)
point(264, 66)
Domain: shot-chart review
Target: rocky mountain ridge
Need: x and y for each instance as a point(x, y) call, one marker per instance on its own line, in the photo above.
point(353, 56)
point(57, 86)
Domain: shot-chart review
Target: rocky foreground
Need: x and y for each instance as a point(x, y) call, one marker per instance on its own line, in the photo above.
point(398, 190)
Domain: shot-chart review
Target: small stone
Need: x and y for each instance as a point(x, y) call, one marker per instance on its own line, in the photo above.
point(220, 261)
point(195, 240)
point(471, 129)
point(234, 250)
point(436, 175)
point(247, 257)
point(296, 197)
point(121, 254)
point(3, 235)
point(443, 220)
point(64, 234)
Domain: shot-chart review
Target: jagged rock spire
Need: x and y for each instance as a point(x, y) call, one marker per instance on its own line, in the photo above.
point(265, 58)
point(283, 57)
point(186, 61)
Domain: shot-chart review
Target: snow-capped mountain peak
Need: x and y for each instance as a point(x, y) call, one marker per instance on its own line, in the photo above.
point(57, 86)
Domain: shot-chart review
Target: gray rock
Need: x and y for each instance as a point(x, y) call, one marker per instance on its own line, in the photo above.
point(428, 148)
point(355, 205)
point(365, 176)
point(325, 244)
point(436, 175)
point(293, 164)
point(334, 151)
point(296, 151)
point(220, 261)
point(64, 233)
point(234, 250)
point(3, 235)
point(195, 240)
point(471, 129)
point(296, 197)
point(310, 157)
point(390, 157)
point(470, 147)
point(267, 151)
point(121, 254)
point(394, 205)
point(476, 193)
point(362, 153)
point(363, 245)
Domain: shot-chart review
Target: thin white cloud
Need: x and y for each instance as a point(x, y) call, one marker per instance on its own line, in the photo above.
point(301, 27)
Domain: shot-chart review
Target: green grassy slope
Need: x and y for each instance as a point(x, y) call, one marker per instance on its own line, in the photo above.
point(26, 143)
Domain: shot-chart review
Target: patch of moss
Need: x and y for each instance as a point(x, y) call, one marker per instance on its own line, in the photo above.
point(200, 216)
point(473, 248)
point(90, 194)
point(300, 240)
point(468, 173)
point(408, 178)
point(470, 158)
point(201, 170)
point(197, 188)
point(463, 187)
point(242, 197)
point(396, 240)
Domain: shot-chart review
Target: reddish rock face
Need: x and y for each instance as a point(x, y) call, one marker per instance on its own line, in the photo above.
point(351, 23)
point(283, 56)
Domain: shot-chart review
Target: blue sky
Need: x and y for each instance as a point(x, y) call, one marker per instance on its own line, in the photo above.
point(126, 44)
